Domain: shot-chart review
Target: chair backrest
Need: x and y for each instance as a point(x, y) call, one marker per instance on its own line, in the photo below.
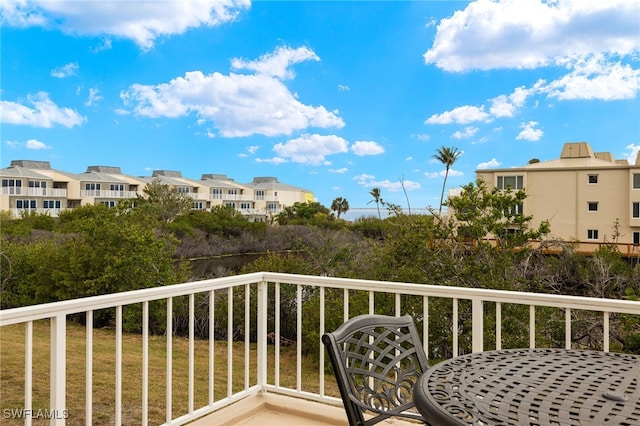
point(377, 360)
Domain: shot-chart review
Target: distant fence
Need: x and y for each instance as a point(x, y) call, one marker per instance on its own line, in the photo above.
point(582, 247)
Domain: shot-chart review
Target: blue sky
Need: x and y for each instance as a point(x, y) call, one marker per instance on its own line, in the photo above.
point(335, 97)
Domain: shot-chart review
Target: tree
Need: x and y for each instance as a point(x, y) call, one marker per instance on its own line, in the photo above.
point(446, 156)
point(375, 193)
point(302, 213)
point(340, 205)
point(163, 201)
point(480, 212)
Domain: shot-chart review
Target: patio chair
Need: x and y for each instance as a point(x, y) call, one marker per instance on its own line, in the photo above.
point(377, 360)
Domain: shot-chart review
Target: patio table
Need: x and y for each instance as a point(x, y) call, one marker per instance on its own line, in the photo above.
point(532, 387)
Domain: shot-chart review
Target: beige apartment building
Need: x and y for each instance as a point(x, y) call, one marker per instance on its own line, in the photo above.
point(33, 186)
point(582, 194)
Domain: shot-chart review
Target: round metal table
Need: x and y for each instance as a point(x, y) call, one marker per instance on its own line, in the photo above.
point(532, 387)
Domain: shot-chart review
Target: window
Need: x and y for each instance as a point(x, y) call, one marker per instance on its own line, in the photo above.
point(592, 234)
point(93, 188)
point(26, 204)
point(51, 204)
point(592, 206)
point(593, 179)
point(216, 193)
point(636, 181)
point(183, 189)
point(636, 238)
point(245, 206)
point(37, 184)
point(14, 186)
point(636, 210)
point(260, 194)
point(198, 205)
point(510, 182)
point(272, 207)
point(110, 204)
point(232, 192)
point(230, 204)
point(515, 210)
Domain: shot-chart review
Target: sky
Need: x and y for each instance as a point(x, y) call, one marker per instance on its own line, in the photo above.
point(335, 97)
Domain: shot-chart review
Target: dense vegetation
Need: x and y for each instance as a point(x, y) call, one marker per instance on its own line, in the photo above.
point(143, 243)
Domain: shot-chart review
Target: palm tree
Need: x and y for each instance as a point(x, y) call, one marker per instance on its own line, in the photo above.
point(340, 205)
point(446, 156)
point(375, 193)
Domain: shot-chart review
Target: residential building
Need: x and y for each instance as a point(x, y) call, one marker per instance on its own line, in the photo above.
point(272, 196)
point(583, 194)
point(33, 186)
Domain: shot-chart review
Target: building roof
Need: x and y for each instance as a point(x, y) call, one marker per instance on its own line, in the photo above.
point(574, 155)
point(273, 183)
point(22, 172)
point(220, 181)
point(94, 176)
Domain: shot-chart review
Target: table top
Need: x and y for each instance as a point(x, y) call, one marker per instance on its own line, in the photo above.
point(532, 387)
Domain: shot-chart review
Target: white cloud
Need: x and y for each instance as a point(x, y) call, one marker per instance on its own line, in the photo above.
point(466, 134)
point(525, 33)
point(105, 44)
point(489, 164)
point(237, 104)
point(277, 63)
point(343, 88)
point(529, 132)
point(44, 113)
point(595, 78)
point(141, 22)
point(362, 148)
point(423, 137)
point(65, 71)
point(252, 149)
point(441, 173)
point(633, 154)
point(311, 149)
point(339, 171)
point(94, 96)
point(30, 144)
point(363, 178)
point(461, 115)
point(36, 144)
point(368, 181)
point(507, 105)
point(274, 160)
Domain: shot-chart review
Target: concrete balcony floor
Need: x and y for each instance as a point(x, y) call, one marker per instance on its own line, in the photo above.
point(276, 410)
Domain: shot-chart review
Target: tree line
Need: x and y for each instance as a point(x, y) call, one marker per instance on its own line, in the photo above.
point(146, 242)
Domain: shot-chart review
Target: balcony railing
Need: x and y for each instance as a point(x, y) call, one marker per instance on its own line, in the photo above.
point(104, 193)
point(53, 212)
point(34, 192)
point(255, 305)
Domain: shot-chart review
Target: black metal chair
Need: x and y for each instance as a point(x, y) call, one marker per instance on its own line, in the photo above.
point(377, 360)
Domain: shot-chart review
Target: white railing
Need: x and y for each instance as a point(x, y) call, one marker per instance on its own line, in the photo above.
point(53, 212)
point(237, 197)
point(33, 192)
point(264, 309)
point(105, 193)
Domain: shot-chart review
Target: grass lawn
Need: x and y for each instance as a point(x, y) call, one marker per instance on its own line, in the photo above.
point(12, 366)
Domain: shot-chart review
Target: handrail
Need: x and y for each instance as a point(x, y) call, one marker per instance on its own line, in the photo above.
point(74, 306)
point(262, 283)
